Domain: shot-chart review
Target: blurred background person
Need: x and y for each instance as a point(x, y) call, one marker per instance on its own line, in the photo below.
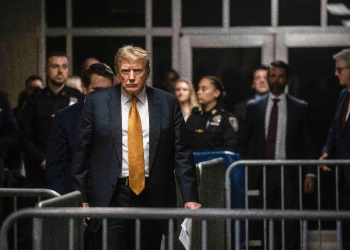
point(260, 87)
point(37, 117)
point(8, 135)
point(14, 166)
point(62, 138)
point(74, 82)
point(86, 63)
point(213, 128)
point(168, 80)
point(185, 93)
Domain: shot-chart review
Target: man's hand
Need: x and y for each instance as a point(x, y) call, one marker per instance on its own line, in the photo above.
point(10, 175)
point(324, 167)
point(85, 205)
point(309, 184)
point(43, 164)
point(192, 205)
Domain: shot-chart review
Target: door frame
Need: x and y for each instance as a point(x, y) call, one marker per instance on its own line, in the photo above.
point(188, 42)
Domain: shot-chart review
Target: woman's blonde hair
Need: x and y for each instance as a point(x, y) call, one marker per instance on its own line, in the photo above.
point(193, 96)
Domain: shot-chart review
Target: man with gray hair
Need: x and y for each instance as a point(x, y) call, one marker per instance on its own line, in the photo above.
point(337, 145)
point(131, 143)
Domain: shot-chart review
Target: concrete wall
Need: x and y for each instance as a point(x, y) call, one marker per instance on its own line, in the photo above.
point(19, 26)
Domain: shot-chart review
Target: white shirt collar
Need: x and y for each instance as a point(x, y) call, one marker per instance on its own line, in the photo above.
point(282, 97)
point(126, 97)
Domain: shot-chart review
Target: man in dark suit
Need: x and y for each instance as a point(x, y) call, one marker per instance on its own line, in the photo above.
point(276, 128)
point(260, 86)
point(62, 138)
point(338, 141)
point(112, 169)
point(8, 135)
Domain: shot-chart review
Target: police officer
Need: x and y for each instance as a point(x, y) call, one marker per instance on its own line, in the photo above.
point(38, 114)
point(213, 128)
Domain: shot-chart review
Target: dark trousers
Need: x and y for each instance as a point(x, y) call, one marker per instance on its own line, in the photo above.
point(121, 233)
point(273, 201)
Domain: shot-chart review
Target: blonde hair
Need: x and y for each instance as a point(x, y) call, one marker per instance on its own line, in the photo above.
point(193, 102)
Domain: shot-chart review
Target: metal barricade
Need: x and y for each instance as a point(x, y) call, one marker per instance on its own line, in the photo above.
point(211, 190)
point(282, 164)
point(138, 214)
point(25, 192)
point(47, 236)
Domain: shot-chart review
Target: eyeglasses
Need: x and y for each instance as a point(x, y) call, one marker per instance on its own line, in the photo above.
point(340, 69)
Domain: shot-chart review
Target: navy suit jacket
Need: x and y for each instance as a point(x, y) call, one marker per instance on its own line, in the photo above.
point(299, 141)
point(60, 148)
point(97, 159)
point(338, 141)
point(8, 130)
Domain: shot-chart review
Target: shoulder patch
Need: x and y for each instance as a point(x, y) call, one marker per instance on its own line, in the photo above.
point(234, 123)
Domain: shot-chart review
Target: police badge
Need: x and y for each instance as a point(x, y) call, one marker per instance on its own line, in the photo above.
point(234, 123)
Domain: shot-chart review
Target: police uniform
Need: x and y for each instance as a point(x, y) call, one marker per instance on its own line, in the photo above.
point(35, 126)
point(213, 130)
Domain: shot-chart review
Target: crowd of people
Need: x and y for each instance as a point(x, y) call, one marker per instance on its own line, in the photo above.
point(119, 142)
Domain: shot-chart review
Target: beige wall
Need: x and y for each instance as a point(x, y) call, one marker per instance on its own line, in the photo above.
point(19, 25)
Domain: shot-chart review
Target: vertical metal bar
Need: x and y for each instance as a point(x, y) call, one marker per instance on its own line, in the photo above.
point(171, 235)
point(226, 14)
point(69, 37)
point(42, 42)
point(37, 233)
point(228, 206)
point(274, 13)
point(271, 234)
point(176, 25)
point(247, 206)
point(149, 44)
point(71, 233)
point(282, 206)
point(339, 223)
point(324, 17)
point(304, 238)
point(15, 228)
point(319, 206)
point(104, 234)
point(138, 234)
point(237, 235)
point(204, 234)
point(339, 235)
point(301, 203)
point(264, 202)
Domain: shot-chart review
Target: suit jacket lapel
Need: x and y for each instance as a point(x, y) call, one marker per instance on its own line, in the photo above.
point(115, 118)
point(262, 113)
point(154, 112)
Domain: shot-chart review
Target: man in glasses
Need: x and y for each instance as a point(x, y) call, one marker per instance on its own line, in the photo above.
point(337, 145)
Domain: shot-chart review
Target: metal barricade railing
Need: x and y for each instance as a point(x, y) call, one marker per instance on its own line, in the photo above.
point(45, 236)
point(25, 192)
point(138, 214)
point(282, 164)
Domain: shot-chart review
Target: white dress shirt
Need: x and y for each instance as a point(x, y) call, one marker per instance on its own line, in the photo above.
point(280, 151)
point(142, 107)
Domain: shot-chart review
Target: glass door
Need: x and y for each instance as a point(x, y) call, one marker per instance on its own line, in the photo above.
point(231, 58)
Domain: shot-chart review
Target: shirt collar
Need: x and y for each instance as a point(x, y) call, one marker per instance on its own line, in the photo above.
point(126, 97)
point(282, 97)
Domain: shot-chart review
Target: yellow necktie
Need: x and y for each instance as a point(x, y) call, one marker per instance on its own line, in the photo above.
point(135, 150)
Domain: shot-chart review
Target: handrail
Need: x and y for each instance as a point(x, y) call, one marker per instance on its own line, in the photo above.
point(28, 192)
point(295, 163)
point(158, 213)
